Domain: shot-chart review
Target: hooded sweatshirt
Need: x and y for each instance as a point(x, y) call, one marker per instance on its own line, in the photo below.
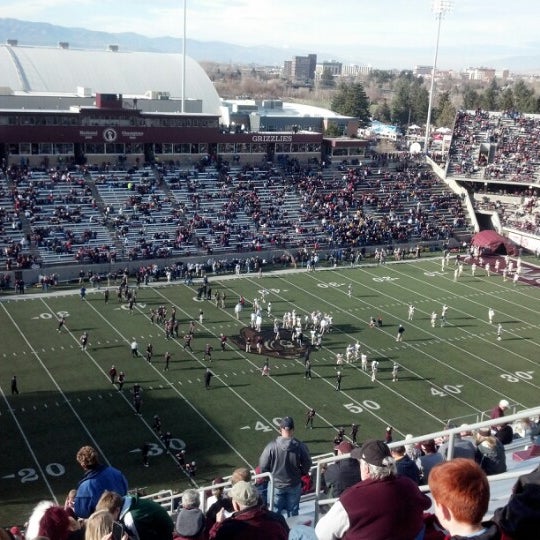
point(287, 459)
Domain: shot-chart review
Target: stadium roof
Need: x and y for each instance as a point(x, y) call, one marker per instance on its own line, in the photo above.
point(291, 109)
point(62, 70)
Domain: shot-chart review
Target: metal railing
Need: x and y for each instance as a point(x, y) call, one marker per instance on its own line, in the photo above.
point(448, 435)
point(171, 501)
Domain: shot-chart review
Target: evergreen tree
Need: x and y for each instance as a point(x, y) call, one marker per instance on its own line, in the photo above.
point(380, 76)
point(351, 100)
point(471, 98)
point(445, 112)
point(401, 103)
point(506, 102)
point(382, 112)
point(419, 101)
point(410, 102)
point(327, 79)
point(524, 98)
point(490, 98)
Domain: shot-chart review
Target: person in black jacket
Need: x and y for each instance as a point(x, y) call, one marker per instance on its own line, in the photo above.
point(521, 515)
point(405, 465)
point(342, 474)
point(490, 453)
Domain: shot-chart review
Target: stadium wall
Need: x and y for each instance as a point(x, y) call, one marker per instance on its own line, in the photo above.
point(70, 272)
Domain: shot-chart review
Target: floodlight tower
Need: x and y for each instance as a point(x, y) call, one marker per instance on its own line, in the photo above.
point(184, 39)
point(440, 8)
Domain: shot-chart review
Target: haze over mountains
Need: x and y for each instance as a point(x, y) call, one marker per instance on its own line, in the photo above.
point(45, 34)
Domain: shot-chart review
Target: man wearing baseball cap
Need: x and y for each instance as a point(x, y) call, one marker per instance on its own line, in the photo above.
point(288, 460)
point(250, 519)
point(381, 506)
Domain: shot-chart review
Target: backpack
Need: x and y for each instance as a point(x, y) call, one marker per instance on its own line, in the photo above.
point(150, 519)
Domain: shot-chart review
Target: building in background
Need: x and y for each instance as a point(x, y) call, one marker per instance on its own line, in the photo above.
point(65, 106)
point(301, 69)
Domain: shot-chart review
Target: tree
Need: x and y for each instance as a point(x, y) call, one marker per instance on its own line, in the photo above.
point(490, 97)
point(471, 98)
point(401, 103)
point(419, 99)
point(380, 77)
point(410, 101)
point(524, 98)
point(327, 79)
point(445, 113)
point(506, 102)
point(351, 100)
point(333, 130)
point(382, 112)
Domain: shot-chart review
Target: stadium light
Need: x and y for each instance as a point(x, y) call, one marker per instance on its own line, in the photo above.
point(184, 40)
point(440, 8)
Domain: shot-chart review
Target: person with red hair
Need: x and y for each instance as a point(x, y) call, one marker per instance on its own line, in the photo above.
point(56, 524)
point(460, 492)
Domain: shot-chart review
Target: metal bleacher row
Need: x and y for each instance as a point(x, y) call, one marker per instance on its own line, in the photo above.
point(104, 216)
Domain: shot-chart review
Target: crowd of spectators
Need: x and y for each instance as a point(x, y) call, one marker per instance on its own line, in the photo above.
point(90, 216)
point(368, 206)
point(500, 152)
point(502, 147)
point(238, 508)
point(56, 213)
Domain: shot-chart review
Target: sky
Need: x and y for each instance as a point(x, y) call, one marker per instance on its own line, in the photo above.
point(355, 31)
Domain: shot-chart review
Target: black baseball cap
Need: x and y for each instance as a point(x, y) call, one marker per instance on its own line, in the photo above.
point(286, 423)
point(373, 452)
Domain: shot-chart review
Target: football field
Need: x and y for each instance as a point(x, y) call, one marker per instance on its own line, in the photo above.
point(66, 399)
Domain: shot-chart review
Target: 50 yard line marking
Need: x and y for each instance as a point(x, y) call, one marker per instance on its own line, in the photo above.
point(412, 346)
point(367, 374)
point(325, 380)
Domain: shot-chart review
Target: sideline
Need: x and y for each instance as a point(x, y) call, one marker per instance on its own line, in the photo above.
point(33, 292)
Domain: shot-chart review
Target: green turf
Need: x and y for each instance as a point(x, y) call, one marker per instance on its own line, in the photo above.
point(66, 399)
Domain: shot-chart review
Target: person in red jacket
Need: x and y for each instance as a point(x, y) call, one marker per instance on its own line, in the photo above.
point(249, 521)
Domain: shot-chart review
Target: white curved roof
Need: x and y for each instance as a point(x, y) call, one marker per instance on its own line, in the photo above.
point(61, 71)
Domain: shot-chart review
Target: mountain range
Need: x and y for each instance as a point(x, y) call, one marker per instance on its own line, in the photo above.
point(49, 35)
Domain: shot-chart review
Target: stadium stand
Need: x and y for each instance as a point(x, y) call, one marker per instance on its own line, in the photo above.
point(522, 458)
point(89, 216)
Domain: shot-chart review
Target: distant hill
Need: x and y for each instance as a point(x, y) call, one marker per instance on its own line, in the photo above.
point(48, 35)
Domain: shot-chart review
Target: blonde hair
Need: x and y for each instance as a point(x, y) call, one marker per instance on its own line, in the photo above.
point(98, 525)
point(110, 501)
point(241, 474)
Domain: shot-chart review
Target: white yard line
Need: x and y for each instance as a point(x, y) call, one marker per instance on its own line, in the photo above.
point(175, 390)
point(475, 336)
point(367, 373)
point(43, 474)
